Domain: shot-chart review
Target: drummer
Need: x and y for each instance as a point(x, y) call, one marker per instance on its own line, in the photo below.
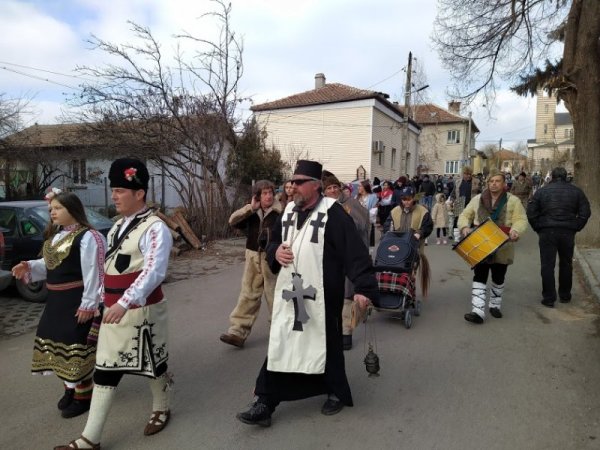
point(507, 211)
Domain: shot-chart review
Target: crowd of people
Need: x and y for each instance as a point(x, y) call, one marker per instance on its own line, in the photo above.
point(307, 254)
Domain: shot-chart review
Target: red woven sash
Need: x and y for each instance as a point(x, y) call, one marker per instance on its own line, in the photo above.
point(116, 285)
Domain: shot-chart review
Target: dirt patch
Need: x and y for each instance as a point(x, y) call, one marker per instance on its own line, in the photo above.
point(214, 258)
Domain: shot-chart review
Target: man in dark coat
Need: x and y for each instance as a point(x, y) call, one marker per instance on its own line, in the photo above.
point(311, 251)
point(556, 212)
point(428, 189)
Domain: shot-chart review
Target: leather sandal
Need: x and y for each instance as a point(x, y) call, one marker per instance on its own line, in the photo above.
point(73, 445)
point(156, 424)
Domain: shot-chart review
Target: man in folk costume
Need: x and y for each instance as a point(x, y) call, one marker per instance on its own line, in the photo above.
point(311, 249)
point(507, 211)
point(133, 334)
point(360, 216)
point(256, 219)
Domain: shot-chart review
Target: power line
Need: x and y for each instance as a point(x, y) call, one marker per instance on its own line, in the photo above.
point(37, 78)
point(45, 70)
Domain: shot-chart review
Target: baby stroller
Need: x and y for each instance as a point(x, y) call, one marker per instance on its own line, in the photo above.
point(396, 264)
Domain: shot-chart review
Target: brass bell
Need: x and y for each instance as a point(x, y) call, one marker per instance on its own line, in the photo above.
point(372, 362)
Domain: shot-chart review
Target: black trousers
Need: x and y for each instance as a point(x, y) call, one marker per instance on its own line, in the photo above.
point(481, 272)
point(553, 241)
point(113, 378)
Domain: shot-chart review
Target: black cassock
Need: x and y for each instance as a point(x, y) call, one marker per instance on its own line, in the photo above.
point(344, 254)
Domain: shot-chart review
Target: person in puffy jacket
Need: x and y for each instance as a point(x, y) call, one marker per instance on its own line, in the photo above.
point(556, 212)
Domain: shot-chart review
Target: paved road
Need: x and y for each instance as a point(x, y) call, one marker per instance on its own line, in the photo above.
point(526, 381)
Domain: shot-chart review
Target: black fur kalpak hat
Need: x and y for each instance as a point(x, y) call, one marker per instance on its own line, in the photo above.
point(128, 173)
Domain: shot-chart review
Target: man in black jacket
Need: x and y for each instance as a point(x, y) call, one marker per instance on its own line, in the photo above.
point(428, 189)
point(556, 212)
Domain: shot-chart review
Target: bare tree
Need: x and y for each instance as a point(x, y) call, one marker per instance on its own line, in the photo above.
point(482, 42)
point(183, 116)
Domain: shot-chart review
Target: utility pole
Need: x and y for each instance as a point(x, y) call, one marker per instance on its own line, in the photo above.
point(468, 146)
point(407, 88)
point(498, 158)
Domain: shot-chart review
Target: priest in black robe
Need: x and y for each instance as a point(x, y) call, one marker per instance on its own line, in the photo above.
point(344, 254)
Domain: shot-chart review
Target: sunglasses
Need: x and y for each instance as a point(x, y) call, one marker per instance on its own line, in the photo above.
point(301, 181)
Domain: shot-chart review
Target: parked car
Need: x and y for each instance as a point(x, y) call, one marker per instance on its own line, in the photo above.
point(5, 275)
point(23, 224)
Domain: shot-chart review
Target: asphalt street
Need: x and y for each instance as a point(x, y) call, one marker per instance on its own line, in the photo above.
point(526, 381)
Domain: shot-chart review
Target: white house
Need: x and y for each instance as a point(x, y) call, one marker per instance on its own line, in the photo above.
point(77, 165)
point(447, 138)
point(354, 133)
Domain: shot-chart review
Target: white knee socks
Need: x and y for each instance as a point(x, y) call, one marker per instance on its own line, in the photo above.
point(160, 388)
point(102, 399)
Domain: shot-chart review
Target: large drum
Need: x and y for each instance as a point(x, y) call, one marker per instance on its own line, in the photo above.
point(482, 242)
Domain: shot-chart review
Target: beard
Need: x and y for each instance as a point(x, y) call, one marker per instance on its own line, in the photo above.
point(299, 199)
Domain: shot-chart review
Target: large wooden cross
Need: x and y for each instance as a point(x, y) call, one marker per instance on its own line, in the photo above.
point(298, 295)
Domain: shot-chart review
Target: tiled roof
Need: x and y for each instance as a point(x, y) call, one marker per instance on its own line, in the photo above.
point(431, 114)
point(59, 135)
point(329, 93)
point(504, 155)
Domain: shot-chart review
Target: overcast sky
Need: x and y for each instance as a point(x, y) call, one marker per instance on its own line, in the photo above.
point(360, 43)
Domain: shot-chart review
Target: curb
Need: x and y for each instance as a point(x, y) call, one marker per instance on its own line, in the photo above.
point(590, 278)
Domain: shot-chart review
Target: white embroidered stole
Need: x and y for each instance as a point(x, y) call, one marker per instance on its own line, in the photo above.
point(297, 340)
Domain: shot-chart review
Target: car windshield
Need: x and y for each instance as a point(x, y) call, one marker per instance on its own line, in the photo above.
point(97, 220)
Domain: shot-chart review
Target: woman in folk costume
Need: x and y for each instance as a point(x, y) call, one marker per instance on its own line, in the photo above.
point(73, 267)
point(410, 216)
point(133, 335)
point(507, 211)
point(313, 249)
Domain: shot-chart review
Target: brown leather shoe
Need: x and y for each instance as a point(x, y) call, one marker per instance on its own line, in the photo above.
point(232, 339)
point(73, 445)
point(156, 424)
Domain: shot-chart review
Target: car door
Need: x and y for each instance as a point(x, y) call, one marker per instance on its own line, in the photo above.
point(28, 237)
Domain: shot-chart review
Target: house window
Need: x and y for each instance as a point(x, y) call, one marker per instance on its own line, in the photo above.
point(545, 129)
point(393, 158)
point(568, 132)
point(452, 167)
point(381, 155)
point(454, 137)
point(546, 109)
point(79, 171)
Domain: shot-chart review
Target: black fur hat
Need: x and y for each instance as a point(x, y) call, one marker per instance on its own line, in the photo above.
point(128, 173)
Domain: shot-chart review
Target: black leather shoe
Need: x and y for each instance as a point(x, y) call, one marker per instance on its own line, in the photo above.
point(332, 406)
point(76, 408)
point(548, 303)
point(347, 341)
point(258, 414)
point(565, 299)
point(473, 318)
point(496, 312)
point(66, 399)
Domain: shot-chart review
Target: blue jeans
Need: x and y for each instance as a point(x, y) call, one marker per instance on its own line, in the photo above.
point(427, 202)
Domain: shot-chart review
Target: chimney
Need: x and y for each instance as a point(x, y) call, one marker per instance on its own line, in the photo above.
point(454, 107)
point(319, 80)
